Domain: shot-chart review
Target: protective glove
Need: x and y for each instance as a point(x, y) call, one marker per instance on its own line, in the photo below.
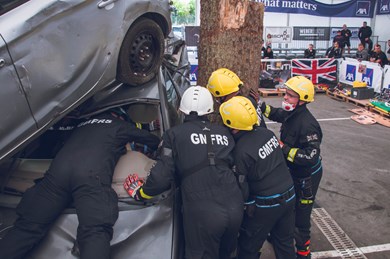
point(132, 184)
point(281, 143)
point(262, 105)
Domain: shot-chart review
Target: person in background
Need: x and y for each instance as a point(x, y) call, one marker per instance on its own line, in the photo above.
point(259, 158)
point(224, 84)
point(300, 140)
point(334, 51)
point(269, 54)
point(80, 174)
point(361, 53)
point(310, 52)
point(346, 33)
point(198, 155)
point(263, 49)
point(364, 35)
point(339, 38)
point(378, 56)
point(269, 40)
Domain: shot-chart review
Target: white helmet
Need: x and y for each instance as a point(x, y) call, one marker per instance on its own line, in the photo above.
point(197, 99)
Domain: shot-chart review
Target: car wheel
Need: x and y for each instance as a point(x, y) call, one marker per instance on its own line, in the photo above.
point(141, 52)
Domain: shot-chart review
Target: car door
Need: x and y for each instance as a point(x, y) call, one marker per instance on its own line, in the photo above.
point(61, 50)
point(16, 119)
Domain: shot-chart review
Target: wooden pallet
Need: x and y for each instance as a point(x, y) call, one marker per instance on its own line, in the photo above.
point(365, 103)
point(319, 90)
point(267, 92)
point(380, 112)
point(335, 95)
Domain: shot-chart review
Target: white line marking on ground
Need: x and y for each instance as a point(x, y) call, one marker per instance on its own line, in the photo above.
point(335, 119)
point(330, 119)
point(340, 241)
point(376, 248)
point(345, 247)
point(365, 250)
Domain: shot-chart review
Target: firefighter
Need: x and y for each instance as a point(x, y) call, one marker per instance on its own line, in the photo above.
point(259, 158)
point(301, 138)
point(199, 155)
point(224, 84)
point(81, 173)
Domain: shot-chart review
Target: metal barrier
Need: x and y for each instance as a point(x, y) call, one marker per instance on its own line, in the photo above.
point(296, 48)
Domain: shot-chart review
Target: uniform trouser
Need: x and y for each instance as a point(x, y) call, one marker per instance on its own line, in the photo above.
point(96, 206)
point(369, 42)
point(303, 211)
point(279, 221)
point(211, 228)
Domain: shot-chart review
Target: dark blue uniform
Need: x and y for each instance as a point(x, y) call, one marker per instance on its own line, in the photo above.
point(80, 173)
point(364, 33)
point(271, 202)
point(212, 201)
point(302, 136)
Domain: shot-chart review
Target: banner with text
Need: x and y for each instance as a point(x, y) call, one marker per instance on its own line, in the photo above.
point(278, 34)
point(311, 33)
point(354, 31)
point(351, 70)
point(274, 73)
point(352, 8)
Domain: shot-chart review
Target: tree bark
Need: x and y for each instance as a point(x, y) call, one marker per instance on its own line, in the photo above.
point(230, 36)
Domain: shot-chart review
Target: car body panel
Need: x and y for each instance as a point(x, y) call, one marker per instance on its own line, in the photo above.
point(143, 230)
point(16, 112)
point(151, 229)
point(139, 232)
point(65, 51)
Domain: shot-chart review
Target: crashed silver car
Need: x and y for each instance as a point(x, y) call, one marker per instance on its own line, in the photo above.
point(55, 54)
point(143, 230)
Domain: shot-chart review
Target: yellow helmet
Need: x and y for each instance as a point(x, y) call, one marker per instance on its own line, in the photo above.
point(223, 82)
point(239, 113)
point(302, 86)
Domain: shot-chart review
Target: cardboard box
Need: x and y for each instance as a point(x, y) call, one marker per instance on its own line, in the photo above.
point(362, 93)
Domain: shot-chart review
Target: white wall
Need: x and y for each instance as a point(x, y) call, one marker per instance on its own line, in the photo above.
point(381, 29)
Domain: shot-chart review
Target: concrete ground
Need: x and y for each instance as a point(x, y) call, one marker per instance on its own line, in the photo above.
point(352, 214)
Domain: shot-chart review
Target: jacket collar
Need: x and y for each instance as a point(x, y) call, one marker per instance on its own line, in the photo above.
point(297, 110)
point(194, 117)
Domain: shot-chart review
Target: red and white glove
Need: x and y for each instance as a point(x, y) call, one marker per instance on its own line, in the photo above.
point(132, 184)
point(281, 143)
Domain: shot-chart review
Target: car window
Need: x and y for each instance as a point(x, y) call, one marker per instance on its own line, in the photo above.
point(7, 5)
point(173, 102)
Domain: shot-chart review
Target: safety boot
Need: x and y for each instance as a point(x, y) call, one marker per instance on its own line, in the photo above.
point(303, 252)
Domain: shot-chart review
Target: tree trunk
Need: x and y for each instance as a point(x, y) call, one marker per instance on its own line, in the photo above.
point(230, 36)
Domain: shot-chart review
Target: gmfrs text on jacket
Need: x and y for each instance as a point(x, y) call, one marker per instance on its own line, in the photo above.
point(183, 156)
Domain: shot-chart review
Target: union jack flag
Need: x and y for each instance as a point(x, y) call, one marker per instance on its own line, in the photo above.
point(319, 71)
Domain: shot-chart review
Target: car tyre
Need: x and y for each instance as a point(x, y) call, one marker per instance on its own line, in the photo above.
point(141, 52)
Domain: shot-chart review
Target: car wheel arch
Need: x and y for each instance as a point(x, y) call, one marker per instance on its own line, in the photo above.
point(145, 35)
